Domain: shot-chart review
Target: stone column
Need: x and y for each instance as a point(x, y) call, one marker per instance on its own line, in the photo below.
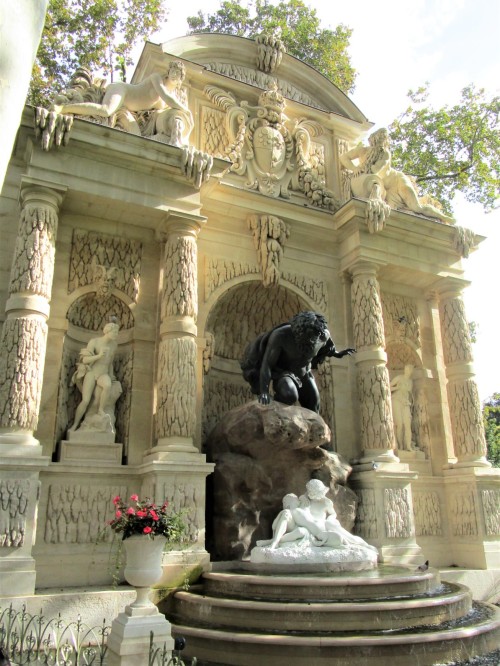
point(177, 354)
point(463, 398)
point(22, 357)
point(24, 333)
point(375, 414)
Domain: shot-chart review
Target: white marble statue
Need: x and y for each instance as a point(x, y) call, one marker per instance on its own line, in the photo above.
point(374, 178)
point(307, 531)
point(96, 381)
point(402, 402)
point(159, 93)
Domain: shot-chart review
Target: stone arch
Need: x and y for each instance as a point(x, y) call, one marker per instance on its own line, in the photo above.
point(239, 315)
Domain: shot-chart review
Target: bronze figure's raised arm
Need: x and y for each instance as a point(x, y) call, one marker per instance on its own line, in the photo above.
point(286, 356)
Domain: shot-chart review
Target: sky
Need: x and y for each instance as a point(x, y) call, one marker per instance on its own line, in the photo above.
point(398, 45)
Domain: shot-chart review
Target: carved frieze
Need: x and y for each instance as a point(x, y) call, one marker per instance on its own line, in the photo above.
point(398, 520)
point(219, 271)
point(14, 499)
point(77, 513)
point(427, 511)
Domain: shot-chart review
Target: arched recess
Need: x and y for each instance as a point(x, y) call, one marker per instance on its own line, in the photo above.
point(87, 315)
point(238, 317)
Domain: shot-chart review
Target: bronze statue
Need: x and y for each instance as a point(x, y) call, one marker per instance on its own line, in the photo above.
point(286, 355)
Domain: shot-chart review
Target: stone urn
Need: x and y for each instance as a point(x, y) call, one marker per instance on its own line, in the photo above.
point(143, 566)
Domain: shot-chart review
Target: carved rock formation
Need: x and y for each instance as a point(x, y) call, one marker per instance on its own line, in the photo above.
point(261, 454)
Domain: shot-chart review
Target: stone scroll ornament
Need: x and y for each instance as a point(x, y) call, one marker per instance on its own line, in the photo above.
point(373, 178)
point(286, 356)
point(272, 151)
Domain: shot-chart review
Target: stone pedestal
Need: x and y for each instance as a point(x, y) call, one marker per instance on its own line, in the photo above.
point(129, 640)
point(84, 451)
point(473, 501)
point(385, 514)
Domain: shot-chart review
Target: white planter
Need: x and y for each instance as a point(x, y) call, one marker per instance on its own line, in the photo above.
point(143, 566)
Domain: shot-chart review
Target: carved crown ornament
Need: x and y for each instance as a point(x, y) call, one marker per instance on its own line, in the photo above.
point(276, 154)
point(155, 108)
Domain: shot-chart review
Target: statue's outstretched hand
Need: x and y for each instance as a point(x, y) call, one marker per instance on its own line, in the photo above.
point(347, 352)
point(265, 399)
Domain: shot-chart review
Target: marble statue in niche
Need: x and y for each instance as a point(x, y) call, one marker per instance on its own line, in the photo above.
point(94, 377)
point(402, 404)
point(286, 356)
point(373, 178)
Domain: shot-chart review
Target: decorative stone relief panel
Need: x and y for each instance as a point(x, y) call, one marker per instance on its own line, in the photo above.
point(345, 179)
point(463, 513)
point(398, 523)
point(190, 497)
point(427, 511)
point(366, 518)
point(78, 513)
point(491, 511)
point(400, 318)
point(23, 352)
point(400, 354)
point(214, 136)
point(315, 290)
point(180, 298)
point(33, 264)
point(262, 80)
point(14, 498)
point(105, 261)
point(219, 398)
point(176, 410)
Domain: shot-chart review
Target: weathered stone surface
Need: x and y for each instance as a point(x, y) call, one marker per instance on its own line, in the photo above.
point(261, 454)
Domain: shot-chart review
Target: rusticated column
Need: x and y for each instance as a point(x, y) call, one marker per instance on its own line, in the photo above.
point(177, 356)
point(463, 397)
point(377, 429)
point(24, 333)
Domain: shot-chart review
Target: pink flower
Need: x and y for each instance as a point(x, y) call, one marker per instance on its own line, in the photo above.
point(147, 530)
point(134, 498)
point(118, 514)
point(141, 514)
point(130, 511)
point(154, 515)
point(165, 504)
point(117, 500)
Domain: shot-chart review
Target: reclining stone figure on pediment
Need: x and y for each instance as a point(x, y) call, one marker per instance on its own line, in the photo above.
point(385, 188)
point(155, 107)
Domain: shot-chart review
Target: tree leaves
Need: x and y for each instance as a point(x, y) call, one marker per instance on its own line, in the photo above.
point(452, 148)
point(98, 34)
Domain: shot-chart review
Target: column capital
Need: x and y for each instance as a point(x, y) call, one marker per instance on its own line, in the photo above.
point(178, 222)
point(368, 268)
point(449, 287)
point(41, 192)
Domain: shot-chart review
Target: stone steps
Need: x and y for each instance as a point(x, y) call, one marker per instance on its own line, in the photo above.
point(254, 619)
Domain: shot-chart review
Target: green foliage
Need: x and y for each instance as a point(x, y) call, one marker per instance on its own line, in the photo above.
point(98, 34)
point(452, 148)
point(298, 27)
point(491, 417)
